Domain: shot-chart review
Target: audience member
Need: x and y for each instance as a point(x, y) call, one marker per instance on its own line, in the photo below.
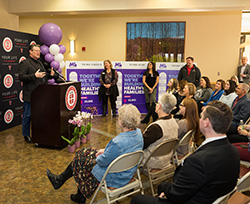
point(210, 172)
point(229, 93)
point(243, 71)
point(188, 91)
point(219, 90)
point(204, 91)
point(190, 121)
point(90, 164)
point(235, 79)
point(165, 128)
point(241, 105)
point(172, 86)
point(190, 72)
point(179, 96)
point(241, 135)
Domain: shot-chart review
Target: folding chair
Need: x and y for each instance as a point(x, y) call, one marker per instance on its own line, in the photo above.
point(162, 149)
point(187, 140)
point(244, 183)
point(120, 164)
point(247, 121)
point(224, 199)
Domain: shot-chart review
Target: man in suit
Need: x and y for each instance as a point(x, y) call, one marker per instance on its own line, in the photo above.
point(243, 71)
point(210, 172)
point(241, 105)
point(32, 73)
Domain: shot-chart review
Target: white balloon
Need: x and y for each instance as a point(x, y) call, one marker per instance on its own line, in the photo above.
point(62, 64)
point(59, 57)
point(54, 49)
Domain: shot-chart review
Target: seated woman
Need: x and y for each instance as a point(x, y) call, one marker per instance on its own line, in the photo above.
point(241, 135)
point(172, 86)
point(90, 164)
point(229, 93)
point(165, 128)
point(203, 92)
point(188, 92)
point(190, 121)
point(219, 90)
point(179, 96)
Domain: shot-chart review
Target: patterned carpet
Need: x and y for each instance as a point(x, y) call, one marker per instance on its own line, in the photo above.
point(23, 166)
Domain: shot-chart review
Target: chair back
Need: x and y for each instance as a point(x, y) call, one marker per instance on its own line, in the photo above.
point(247, 122)
point(244, 183)
point(125, 162)
point(165, 148)
point(120, 164)
point(224, 199)
point(186, 138)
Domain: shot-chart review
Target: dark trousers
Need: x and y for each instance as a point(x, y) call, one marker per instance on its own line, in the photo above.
point(146, 199)
point(105, 103)
point(26, 119)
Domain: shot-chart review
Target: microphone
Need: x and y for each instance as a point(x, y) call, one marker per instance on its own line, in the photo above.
point(59, 74)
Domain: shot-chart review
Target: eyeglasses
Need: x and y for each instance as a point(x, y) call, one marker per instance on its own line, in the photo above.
point(36, 50)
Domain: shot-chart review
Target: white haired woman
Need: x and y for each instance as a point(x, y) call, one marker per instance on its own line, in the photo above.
point(90, 164)
point(164, 128)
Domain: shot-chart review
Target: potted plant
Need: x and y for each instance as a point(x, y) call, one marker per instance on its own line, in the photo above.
point(71, 143)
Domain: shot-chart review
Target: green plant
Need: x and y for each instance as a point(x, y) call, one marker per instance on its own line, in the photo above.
point(88, 127)
point(70, 142)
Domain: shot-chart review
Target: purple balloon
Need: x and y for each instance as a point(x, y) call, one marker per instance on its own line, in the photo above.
point(62, 49)
point(49, 57)
point(55, 65)
point(50, 33)
point(51, 81)
point(59, 70)
point(44, 49)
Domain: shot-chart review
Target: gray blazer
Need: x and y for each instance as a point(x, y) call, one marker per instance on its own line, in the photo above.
point(246, 72)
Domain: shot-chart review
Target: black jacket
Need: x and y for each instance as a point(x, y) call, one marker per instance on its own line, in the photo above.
point(26, 71)
point(207, 174)
point(113, 89)
point(194, 76)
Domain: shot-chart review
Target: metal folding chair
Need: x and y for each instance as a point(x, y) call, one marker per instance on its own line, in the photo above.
point(165, 148)
point(187, 140)
point(120, 164)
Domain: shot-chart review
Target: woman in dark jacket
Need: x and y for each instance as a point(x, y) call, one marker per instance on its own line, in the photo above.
point(108, 88)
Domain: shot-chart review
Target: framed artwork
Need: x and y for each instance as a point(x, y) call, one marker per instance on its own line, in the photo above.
point(157, 42)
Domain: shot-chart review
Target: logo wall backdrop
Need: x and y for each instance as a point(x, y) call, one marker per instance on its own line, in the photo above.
point(129, 83)
point(14, 48)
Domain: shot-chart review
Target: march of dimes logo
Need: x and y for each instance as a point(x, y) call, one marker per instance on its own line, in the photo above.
point(7, 44)
point(71, 98)
point(8, 116)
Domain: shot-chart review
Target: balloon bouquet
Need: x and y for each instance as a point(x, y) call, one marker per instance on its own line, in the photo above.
point(50, 35)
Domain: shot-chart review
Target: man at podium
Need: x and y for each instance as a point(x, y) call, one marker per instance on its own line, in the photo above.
point(32, 73)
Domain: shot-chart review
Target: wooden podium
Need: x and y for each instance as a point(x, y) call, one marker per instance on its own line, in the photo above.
point(51, 108)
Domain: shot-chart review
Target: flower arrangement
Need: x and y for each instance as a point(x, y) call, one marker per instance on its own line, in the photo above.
point(82, 123)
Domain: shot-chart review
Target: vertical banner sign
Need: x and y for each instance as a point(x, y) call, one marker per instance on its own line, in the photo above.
point(129, 84)
point(14, 47)
point(167, 71)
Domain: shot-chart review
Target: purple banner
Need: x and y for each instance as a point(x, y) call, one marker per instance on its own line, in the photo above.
point(129, 82)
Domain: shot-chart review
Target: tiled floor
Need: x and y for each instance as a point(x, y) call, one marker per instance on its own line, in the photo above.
point(23, 166)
